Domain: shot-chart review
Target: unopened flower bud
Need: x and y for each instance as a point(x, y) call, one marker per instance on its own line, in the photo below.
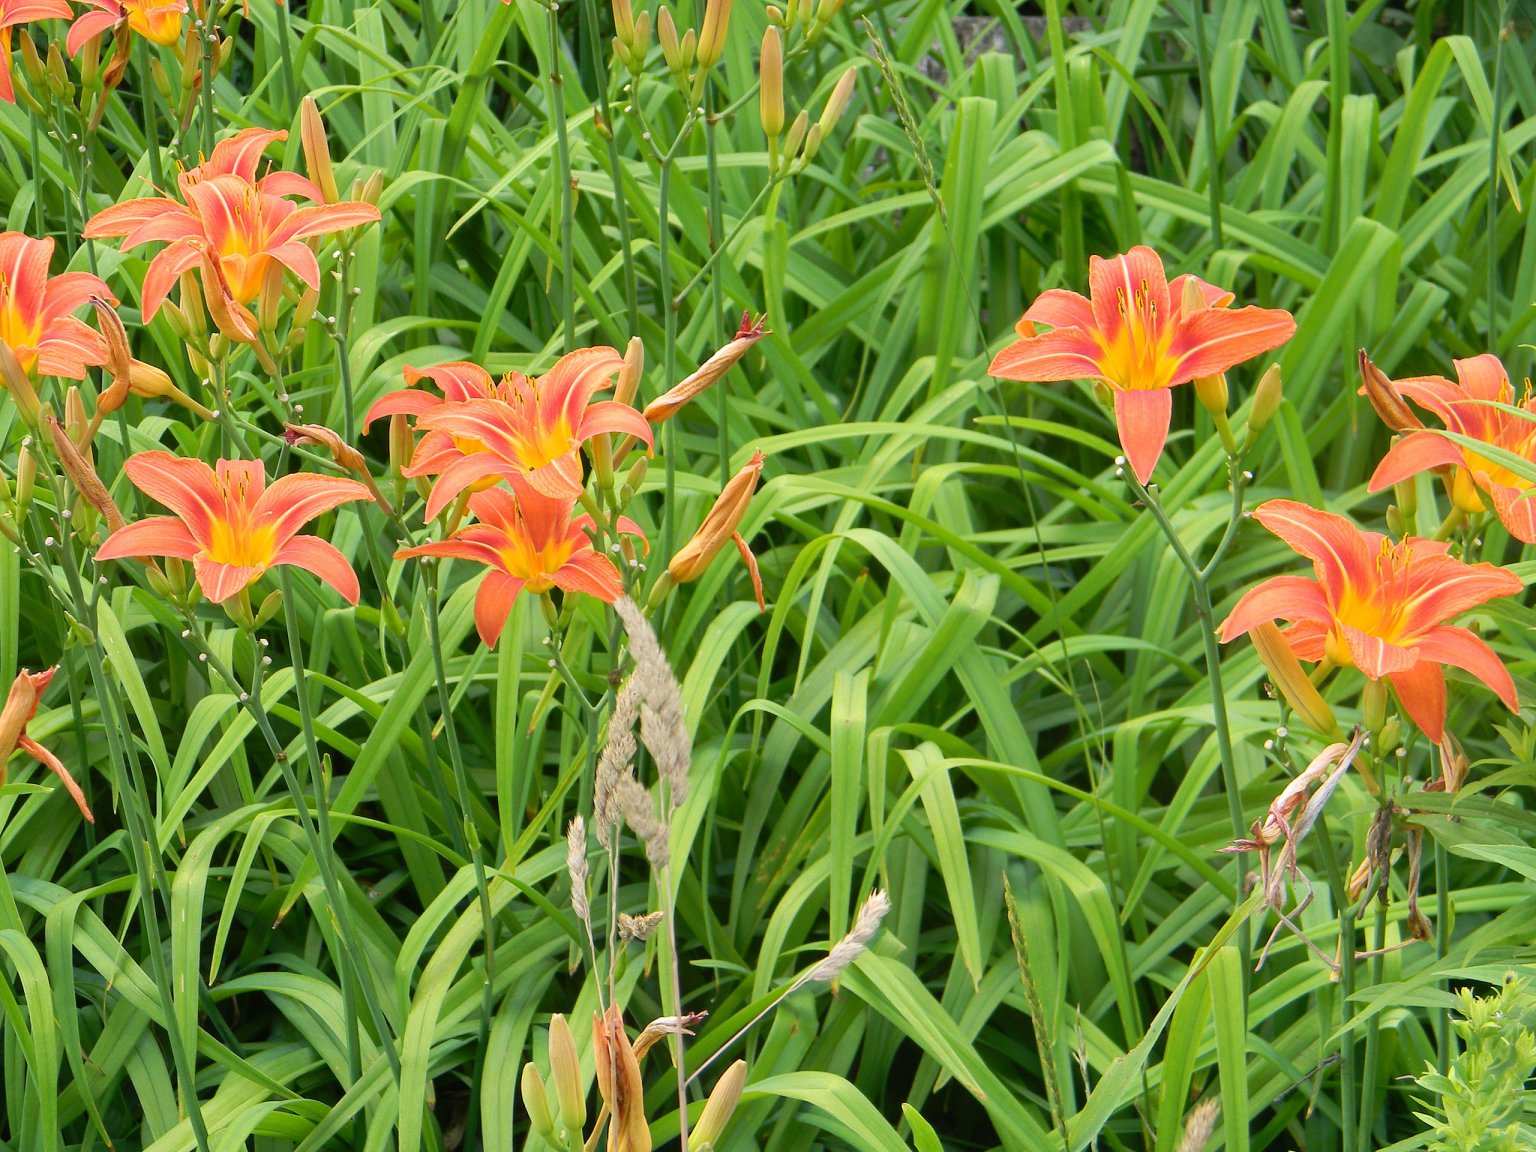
point(58, 74)
point(812, 143)
point(19, 384)
point(1288, 677)
point(775, 15)
point(1406, 494)
point(628, 382)
point(26, 480)
point(666, 32)
point(317, 151)
point(688, 49)
point(565, 1070)
point(1212, 392)
point(717, 17)
point(624, 22)
point(536, 1104)
point(837, 103)
point(826, 10)
point(642, 43)
point(771, 72)
point(718, 1109)
point(1266, 400)
point(402, 443)
point(369, 188)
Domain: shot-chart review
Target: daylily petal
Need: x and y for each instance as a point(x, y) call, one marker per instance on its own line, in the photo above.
point(1289, 598)
point(1373, 655)
point(154, 536)
point(1142, 416)
point(588, 572)
point(293, 501)
point(1218, 339)
point(184, 485)
point(1061, 354)
point(1483, 377)
point(1443, 587)
point(612, 416)
point(48, 760)
point(1414, 453)
point(1059, 309)
point(221, 581)
point(460, 475)
point(458, 379)
point(1421, 690)
point(322, 558)
point(1462, 648)
point(1516, 509)
point(493, 604)
point(1339, 550)
point(1115, 284)
point(406, 401)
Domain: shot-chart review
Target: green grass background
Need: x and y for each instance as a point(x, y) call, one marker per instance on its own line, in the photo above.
point(980, 663)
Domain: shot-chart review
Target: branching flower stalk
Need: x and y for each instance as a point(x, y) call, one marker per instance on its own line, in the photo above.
point(139, 813)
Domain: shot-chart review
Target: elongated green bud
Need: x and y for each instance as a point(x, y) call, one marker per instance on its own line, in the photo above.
point(771, 73)
point(718, 1109)
point(536, 1103)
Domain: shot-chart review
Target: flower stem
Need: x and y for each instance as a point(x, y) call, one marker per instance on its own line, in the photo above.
point(567, 192)
point(471, 833)
point(1203, 611)
point(324, 853)
point(1347, 1099)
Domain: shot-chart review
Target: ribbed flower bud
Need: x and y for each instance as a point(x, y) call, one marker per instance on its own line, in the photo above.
point(771, 73)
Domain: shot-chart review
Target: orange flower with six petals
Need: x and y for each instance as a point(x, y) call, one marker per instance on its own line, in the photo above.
point(159, 23)
point(231, 525)
point(14, 12)
point(36, 320)
point(1467, 408)
point(530, 543)
point(533, 427)
point(20, 707)
point(242, 232)
point(1380, 607)
point(1136, 334)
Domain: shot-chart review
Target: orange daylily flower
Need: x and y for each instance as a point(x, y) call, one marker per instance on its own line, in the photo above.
point(240, 231)
point(20, 707)
point(36, 320)
point(1380, 607)
point(530, 543)
point(14, 12)
point(1467, 408)
point(1136, 333)
point(160, 23)
point(482, 431)
point(231, 525)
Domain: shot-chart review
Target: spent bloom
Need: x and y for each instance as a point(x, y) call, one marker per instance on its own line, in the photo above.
point(1141, 336)
point(1378, 606)
point(158, 22)
point(232, 525)
point(526, 426)
point(20, 707)
point(240, 232)
point(1467, 408)
point(719, 528)
point(530, 543)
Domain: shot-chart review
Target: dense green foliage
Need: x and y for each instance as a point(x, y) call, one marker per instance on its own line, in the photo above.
point(979, 681)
